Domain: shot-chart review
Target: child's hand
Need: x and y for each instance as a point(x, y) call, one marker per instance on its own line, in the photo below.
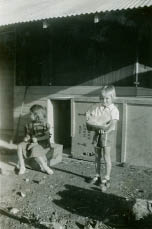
point(31, 145)
point(26, 138)
point(103, 127)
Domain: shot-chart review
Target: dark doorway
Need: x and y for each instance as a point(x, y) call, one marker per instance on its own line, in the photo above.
point(62, 123)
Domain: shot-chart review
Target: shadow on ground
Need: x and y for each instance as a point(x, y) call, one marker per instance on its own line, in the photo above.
point(91, 203)
point(72, 173)
point(106, 207)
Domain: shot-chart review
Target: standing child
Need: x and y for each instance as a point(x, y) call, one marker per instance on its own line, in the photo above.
point(36, 142)
point(104, 133)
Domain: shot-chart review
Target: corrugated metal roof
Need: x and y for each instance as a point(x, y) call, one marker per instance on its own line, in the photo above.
point(16, 11)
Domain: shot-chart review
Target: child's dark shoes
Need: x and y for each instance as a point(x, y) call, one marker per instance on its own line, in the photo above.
point(105, 184)
point(96, 180)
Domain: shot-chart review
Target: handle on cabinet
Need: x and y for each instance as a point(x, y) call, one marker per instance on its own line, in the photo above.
point(82, 144)
point(82, 114)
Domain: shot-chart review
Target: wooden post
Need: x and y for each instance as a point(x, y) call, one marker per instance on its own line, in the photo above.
point(137, 69)
point(50, 118)
point(73, 118)
point(124, 133)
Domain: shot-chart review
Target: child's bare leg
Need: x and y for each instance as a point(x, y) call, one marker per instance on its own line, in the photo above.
point(107, 159)
point(97, 161)
point(43, 164)
point(20, 149)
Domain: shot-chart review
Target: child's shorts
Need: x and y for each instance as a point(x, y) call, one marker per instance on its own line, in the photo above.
point(36, 151)
point(106, 139)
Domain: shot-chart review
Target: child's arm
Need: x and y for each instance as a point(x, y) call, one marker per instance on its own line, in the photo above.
point(27, 129)
point(31, 145)
point(27, 138)
point(46, 135)
point(110, 126)
point(27, 132)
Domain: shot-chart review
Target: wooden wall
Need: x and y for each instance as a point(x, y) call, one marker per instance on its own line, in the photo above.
point(7, 73)
point(74, 51)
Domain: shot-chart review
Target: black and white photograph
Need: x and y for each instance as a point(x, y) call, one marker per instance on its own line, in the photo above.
point(76, 114)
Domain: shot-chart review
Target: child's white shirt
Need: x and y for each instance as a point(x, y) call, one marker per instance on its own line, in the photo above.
point(102, 110)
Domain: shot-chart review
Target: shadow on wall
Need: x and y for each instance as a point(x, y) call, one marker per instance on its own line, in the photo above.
point(38, 94)
point(20, 123)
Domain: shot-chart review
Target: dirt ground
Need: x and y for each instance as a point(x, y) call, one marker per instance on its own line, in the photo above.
point(67, 198)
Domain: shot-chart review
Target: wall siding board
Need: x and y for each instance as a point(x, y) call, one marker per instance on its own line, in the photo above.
point(139, 129)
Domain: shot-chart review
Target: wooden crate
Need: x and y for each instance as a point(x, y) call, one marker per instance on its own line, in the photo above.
point(54, 156)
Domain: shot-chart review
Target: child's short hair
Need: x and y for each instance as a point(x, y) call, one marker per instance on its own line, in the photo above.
point(38, 111)
point(108, 90)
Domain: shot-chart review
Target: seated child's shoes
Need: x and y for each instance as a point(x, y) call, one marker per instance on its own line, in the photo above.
point(21, 171)
point(105, 184)
point(49, 171)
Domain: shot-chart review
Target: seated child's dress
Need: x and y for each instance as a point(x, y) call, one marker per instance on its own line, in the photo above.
point(36, 148)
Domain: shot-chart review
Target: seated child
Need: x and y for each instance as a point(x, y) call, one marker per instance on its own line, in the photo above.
point(103, 120)
point(36, 142)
